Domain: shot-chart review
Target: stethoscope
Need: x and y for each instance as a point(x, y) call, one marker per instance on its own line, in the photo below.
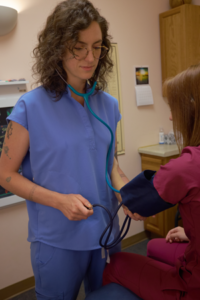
point(127, 219)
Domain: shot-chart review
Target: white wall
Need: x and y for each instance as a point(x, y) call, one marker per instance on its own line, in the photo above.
point(134, 25)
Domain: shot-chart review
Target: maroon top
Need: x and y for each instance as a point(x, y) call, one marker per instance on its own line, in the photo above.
point(179, 182)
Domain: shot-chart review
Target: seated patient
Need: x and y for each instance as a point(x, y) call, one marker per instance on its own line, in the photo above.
point(164, 250)
point(172, 270)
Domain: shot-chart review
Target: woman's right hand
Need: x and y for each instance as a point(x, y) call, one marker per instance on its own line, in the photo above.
point(177, 234)
point(75, 207)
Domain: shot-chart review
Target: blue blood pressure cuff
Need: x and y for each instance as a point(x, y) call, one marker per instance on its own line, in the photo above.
point(140, 195)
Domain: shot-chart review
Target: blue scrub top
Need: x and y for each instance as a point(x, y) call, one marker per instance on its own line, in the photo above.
point(67, 154)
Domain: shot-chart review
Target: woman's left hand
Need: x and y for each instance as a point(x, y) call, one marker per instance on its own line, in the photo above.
point(134, 216)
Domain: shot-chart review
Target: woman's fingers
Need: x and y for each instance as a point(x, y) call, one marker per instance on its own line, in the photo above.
point(173, 237)
point(172, 231)
point(133, 216)
point(75, 207)
point(85, 202)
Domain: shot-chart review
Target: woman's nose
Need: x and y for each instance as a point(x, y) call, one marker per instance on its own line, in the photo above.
point(90, 56)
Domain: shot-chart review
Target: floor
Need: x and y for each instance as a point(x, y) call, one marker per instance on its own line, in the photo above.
point(139, 248)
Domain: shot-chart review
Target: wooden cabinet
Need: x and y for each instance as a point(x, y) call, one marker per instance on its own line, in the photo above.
point(154, 157)
point(180, 39)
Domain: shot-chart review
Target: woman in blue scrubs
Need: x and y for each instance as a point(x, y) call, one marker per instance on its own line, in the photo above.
point(62, 149)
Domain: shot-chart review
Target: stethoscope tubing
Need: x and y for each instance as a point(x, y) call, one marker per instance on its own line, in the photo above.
point(127, 219)
point(86, 98)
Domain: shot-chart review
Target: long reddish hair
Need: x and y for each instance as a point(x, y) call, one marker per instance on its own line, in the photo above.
point(183, 95)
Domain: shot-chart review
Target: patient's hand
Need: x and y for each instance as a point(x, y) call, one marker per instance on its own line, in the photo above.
point(134, 216)
point(177, 234)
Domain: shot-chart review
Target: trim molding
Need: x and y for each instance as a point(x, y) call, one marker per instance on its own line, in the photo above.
point(17, 288)
point(134, 239)
point(29, 283)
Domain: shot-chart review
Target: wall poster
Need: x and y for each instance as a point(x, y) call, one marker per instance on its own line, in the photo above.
point(4, 113)
point(114, 89)
point(10, 92)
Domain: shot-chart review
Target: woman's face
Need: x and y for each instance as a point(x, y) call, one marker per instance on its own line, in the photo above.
point(170, 117)
point(82, 70)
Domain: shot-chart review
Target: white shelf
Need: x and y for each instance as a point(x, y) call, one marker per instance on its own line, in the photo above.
point(160, 150)
point(13, 82)
point(10, 200)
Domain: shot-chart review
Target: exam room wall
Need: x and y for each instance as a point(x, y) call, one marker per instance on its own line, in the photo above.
point(134, 25)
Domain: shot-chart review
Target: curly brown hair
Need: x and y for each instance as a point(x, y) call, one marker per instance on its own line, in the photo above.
point(183, 95)
point(61, 32)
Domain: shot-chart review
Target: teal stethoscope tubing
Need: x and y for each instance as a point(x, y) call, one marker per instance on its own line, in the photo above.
point(86, 96)
point(128, 219)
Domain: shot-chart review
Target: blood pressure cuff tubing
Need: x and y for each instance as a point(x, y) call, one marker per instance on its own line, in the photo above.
point(140, 195)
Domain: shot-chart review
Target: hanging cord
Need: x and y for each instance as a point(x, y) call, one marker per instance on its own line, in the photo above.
point(118, 239)
point(127, 219)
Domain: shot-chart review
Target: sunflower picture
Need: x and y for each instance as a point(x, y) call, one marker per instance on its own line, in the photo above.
point(142, 75)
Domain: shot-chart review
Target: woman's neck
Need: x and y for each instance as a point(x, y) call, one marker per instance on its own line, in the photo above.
point(79, 99)
point(80, 86)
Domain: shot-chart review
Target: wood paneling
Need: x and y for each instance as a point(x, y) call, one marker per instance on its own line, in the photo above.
point(180, 39)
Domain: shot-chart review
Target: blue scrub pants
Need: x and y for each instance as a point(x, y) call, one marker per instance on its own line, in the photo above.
point(59, 272)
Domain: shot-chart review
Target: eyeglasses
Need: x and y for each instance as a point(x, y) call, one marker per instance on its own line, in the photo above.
point(82, 52)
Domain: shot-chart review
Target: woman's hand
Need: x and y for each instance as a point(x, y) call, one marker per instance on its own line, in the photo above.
point(75, 207)
point(134, 216)
point(177, 235)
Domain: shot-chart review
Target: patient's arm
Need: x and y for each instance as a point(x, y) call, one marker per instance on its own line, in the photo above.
point(139, 195)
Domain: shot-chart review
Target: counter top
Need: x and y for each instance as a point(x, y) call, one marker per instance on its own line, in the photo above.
point(160, 150)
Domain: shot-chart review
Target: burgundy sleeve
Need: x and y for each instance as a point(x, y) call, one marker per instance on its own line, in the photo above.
point(176, 181)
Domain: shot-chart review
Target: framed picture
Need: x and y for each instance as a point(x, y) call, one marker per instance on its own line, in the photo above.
point(142, 75)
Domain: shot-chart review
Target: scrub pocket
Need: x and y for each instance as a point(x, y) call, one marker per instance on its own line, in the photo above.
point(45, 254)
point(43, 263)
point(58, 272)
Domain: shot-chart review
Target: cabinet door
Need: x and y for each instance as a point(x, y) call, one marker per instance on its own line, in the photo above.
point(162, 222)
point(173, 52)
point(179, 39)
point(165, 220)
point(192, 31)
point(153, 224)
point(156, 224)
